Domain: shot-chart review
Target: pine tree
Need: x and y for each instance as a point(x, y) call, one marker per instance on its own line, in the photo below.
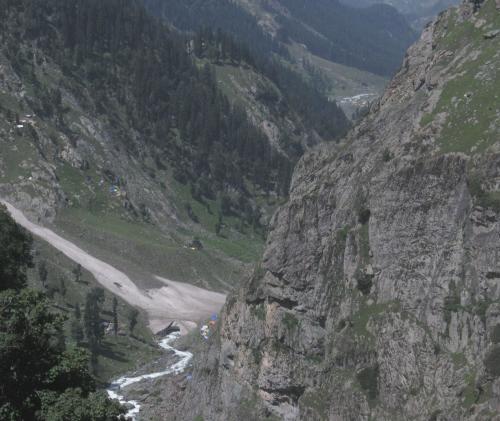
point(42, 272)
point(76, 326)
point(92, 320)
point(77, 272)
point(218, 225)
point(115, 316)
point(132, 320)
point(62, 287)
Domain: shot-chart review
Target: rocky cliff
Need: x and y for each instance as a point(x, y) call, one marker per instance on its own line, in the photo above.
point(378, 294)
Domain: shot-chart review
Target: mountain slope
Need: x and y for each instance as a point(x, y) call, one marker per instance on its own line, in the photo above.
point(94, 156)
point(335, 46)
point(377, 296)
point(418, 12)
point(372, 40)
point(117, 136)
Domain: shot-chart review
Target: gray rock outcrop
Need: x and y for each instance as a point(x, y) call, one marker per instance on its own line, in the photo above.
point(378, 296)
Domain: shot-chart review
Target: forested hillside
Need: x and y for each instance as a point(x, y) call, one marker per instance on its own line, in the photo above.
point(161, 93)
point(128, 59)
point(192, 15)
point(372, 39)
point(417, 12)
point(112, 121)
point(300, 95)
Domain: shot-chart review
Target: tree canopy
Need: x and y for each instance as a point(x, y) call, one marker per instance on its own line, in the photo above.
point(120, 58)
point(40, 377)
point(15, 252)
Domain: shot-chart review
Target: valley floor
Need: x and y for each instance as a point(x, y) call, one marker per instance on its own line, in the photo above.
point(184, 303)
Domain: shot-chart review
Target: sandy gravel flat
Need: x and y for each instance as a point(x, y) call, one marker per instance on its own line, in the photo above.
point(177, 301)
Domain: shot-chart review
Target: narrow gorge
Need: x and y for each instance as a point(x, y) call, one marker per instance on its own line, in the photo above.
point(312, 211)
point(378, 295)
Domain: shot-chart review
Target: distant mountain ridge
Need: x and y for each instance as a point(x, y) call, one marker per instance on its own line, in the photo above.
point(418, 12)
point(373, 40)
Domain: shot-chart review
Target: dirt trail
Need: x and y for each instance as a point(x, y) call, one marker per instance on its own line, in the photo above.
point(178, 301)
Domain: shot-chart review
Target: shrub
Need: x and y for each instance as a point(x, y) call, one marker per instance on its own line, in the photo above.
point(257, 356)
point(259, 311)
point(368, 379)
point(342, 235)
point(495, 334)
point(15, 252)
point(492, 361)
point(190, 213)
point(451, 305)
point(483, 198)
point(387, 155)
point(290, 321)
point(365, 283)
point(481, 308)
point(364, 216)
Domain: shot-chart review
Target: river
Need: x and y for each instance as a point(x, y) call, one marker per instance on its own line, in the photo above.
point(115, 390)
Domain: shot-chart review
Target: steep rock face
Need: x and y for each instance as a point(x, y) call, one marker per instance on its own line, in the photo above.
point(378, 295)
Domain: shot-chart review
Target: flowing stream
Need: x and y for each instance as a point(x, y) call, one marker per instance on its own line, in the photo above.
point(115, 389)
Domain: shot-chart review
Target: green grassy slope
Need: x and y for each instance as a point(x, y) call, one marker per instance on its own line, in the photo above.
point(470, 101)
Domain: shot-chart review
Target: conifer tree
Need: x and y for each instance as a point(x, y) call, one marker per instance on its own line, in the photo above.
point(92, 320)
point(77, 272)
point(76, 326)
point(43, 273)
point(132, 320)
point(115, 316)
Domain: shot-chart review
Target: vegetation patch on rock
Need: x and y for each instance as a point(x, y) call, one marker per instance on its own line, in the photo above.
point(368, 379)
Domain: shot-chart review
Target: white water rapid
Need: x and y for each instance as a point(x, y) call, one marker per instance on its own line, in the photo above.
point(115, 389)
